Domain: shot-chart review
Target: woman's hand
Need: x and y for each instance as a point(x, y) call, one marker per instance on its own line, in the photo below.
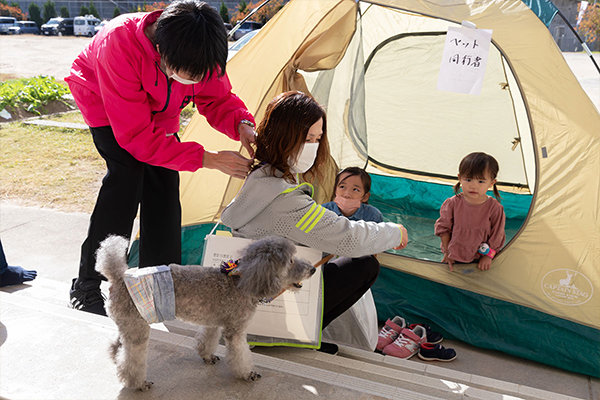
point(229, 162)
point(247, 137)
point(404, 238)
point(484, 263)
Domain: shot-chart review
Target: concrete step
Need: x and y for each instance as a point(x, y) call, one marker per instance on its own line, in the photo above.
point(361, 373)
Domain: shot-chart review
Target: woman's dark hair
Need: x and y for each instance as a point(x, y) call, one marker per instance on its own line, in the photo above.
point(353, 171)
point(474, 166)
point(283, 130)
point(191, 37)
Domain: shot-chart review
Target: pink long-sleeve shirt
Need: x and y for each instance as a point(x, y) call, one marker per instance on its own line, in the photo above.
point(116, 80)
point(469, 225)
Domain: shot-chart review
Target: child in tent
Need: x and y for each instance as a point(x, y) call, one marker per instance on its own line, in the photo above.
point(471, 223)
point(352, 191)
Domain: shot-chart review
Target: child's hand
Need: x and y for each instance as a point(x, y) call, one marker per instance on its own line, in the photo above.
point(448, 261)
point(404, 238)
point(484, 263)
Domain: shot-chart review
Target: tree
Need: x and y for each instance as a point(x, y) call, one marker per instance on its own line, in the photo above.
point(589, 27)
point(263, 15)
point(93, 10)
point(242, 7)
point(64, 12)
point(35, 14)
point(10, 11)
point(224, 12)
point(49, 10)
point(117, 12)
point(160, 5)
point(84, 10)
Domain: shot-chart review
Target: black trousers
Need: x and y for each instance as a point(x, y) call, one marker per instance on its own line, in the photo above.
point(346, 280)
point(127, 184)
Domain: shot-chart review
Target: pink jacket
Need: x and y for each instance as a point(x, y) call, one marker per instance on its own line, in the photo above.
point(470, 225)
point(116, 81)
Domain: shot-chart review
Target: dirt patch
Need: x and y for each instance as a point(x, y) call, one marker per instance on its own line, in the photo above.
point(53, 107)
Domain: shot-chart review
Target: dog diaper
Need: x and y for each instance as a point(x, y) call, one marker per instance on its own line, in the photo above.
point(151, 289)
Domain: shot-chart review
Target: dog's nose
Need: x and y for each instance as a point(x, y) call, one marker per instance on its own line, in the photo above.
point(313, 270)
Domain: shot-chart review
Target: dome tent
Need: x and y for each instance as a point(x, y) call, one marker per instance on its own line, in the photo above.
point(374, 66)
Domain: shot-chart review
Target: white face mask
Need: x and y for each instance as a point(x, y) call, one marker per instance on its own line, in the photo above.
point(181, 80)
point(305, 159)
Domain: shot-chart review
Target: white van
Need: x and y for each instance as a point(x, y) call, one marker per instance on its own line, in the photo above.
point(6, 23)
point(84, 25)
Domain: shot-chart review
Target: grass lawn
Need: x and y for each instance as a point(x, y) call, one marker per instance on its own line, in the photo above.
point(50, 167)
point(53, 167)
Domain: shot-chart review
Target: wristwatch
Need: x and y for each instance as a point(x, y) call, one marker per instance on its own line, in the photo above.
point(248, 122)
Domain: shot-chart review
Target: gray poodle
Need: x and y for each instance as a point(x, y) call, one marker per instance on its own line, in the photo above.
point(204, 296)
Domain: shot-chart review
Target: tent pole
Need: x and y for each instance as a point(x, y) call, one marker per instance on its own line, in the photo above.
point(251, 13)
point(585, 46)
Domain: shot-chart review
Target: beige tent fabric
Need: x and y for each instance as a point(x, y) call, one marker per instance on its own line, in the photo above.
point(563, 231)
point(553, 264)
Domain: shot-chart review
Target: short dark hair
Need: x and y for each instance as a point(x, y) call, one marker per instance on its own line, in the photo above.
point(474, 166)
point(192, 38)
point(353, 171)
point(283, 130)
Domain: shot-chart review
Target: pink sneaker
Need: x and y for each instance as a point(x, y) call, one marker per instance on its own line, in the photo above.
point(390, 331)
point(407, 344)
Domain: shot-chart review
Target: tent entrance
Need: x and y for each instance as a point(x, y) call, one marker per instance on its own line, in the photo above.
point(385, 113)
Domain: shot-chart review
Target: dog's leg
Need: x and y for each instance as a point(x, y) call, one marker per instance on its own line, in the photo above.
point(239, 356)
point(131, 365)
point(207, 339)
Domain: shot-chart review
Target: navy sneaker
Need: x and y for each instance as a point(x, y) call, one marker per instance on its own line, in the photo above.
point(86, 296)
point(436, 352)
point(433, 337)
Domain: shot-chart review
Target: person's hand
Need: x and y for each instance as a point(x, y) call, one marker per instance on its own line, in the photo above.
point(229, 162)
point(448, 261)
point(404, 238)
point(484, 263)
point(247, 137)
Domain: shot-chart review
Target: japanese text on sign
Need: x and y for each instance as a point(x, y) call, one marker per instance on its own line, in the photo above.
point(464, 60)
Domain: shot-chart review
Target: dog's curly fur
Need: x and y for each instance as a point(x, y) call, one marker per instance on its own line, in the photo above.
point(204, 296)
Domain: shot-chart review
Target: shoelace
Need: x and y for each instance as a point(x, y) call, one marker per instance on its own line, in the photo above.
point(403, 341)
point(387, 332)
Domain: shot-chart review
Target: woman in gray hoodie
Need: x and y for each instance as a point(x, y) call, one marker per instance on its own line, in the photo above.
point(292, 143)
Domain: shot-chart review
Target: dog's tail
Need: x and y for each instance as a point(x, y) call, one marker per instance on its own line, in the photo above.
point(111, 257)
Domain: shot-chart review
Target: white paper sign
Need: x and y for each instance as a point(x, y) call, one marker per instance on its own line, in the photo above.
point(293, 317)
point(464, 61)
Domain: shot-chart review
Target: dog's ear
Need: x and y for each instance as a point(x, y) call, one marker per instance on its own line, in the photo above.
point(263, 265)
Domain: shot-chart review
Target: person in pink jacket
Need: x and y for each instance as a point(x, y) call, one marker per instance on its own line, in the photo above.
point(471, 223)
point(131, 83)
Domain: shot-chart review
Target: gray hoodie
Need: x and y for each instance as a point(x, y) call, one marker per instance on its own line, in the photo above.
point(269, 205)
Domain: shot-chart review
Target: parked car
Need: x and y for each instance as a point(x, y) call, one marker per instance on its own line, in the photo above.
point(84, 25)
point(237, 46)
point(6, 23)
point(24, 27)
point(245, 28)
point(99, 26)
point(58, 26)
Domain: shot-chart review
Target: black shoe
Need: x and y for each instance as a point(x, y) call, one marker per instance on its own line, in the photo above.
point(329, 348)
point(433, 337)
point(86, 296)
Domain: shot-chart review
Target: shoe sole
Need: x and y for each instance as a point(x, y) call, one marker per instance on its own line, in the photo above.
point(402, 358)
point(435, 358)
